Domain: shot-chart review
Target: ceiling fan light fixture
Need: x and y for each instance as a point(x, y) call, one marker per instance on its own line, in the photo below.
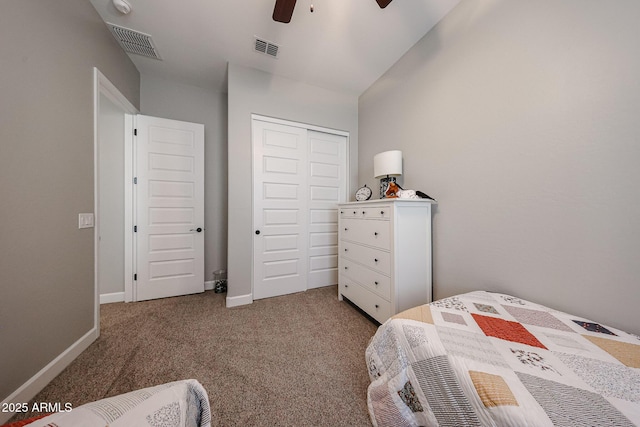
point(283, 10)
point(123, 6)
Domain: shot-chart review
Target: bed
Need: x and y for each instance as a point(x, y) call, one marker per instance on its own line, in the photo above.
point(489, 359)
point(177, 404)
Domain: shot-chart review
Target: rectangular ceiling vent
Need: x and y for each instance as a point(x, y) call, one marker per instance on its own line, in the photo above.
point(134, 41)
point(266, 47)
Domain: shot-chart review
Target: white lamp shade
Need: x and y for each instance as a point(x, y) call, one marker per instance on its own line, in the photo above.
point(387, 163)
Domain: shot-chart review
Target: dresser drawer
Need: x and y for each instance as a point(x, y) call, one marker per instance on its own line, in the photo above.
point(373, 304)
point(370, 279)
point(380, 212)
point(373, 233)
point(376, 259)
point(350, 212)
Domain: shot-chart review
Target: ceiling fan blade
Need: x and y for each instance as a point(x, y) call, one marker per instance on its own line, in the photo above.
point(283, 10)
point(383, 3)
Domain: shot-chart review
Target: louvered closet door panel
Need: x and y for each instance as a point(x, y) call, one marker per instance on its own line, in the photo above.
point(326, 188)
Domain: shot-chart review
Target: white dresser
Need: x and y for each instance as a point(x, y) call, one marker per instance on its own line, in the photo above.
point(384, 251)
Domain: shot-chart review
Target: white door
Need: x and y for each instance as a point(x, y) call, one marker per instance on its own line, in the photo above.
point(327, 187)
point(169, 213)
point(280, 217)
point(299, 177)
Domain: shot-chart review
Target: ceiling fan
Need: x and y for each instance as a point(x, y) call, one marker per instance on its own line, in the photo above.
point(283, 10)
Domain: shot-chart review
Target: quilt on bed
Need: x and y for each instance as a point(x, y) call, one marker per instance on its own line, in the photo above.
point(177, 404)
point(488, 359)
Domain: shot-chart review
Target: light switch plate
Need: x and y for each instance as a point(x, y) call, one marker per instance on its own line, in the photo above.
point(85, 220)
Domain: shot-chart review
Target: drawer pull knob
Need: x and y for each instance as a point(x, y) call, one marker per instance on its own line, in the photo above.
point(354, 212)
point(377, 306)
point(381, 212)
point(363, 212)
point(375, 233)
point(346, 268)
point(346, 286)
point(375, 259)
point(346, 250)
point(341, 212)
point(345, 229)
point(376, 283)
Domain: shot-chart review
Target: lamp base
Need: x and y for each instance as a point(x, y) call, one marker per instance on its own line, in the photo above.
point(384, 184)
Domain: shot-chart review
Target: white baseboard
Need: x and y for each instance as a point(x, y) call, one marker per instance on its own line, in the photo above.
point(114, 297)
point(239, 300)
point(208, 286)
point(35, 384)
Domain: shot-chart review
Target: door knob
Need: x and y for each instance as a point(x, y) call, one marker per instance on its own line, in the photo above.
point(257, 231)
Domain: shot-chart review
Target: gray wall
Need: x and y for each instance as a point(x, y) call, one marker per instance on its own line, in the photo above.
point(173, 100)
point(253, 91)
point(48, 51)
point(521, 118)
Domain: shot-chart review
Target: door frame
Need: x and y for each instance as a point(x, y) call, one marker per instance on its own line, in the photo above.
point(298, 125)
point(103, 86)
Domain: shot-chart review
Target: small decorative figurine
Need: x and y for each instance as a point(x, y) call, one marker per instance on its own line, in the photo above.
point(395, 191)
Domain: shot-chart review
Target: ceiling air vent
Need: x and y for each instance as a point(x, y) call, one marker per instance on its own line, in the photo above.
point(266, 47)
point(134, 41)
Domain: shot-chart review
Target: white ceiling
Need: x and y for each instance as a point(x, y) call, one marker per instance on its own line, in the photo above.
point(343, 45)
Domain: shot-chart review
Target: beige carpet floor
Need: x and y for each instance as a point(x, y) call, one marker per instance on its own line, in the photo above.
point(295, 360)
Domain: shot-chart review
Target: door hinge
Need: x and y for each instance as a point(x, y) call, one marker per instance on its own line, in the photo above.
point(135, 228)
point(135, 277)
point(135, 179)
point(135, 132)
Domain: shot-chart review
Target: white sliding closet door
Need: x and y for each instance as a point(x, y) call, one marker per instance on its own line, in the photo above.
point(327, 188)
point(279, 217)
point(299, 177)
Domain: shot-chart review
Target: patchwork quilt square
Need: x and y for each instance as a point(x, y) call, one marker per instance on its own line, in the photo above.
point(565, 341)
point(451, 408)
point(408, 396)
point(627, 353)
point(536, 318)
point(391, 417)
point(492, 389)
point(421, 313)
point(470, 345)
point(385, 346)
point(415, 335)
point(513, 300)
point(453, 318)
point(506, 330)
point(486, 308)
point(451, 303)
point(608, 379)
point(594, 327)
point(531, 358)
point(569, 406)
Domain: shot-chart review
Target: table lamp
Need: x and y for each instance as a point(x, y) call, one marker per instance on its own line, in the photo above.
point(387, 166)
